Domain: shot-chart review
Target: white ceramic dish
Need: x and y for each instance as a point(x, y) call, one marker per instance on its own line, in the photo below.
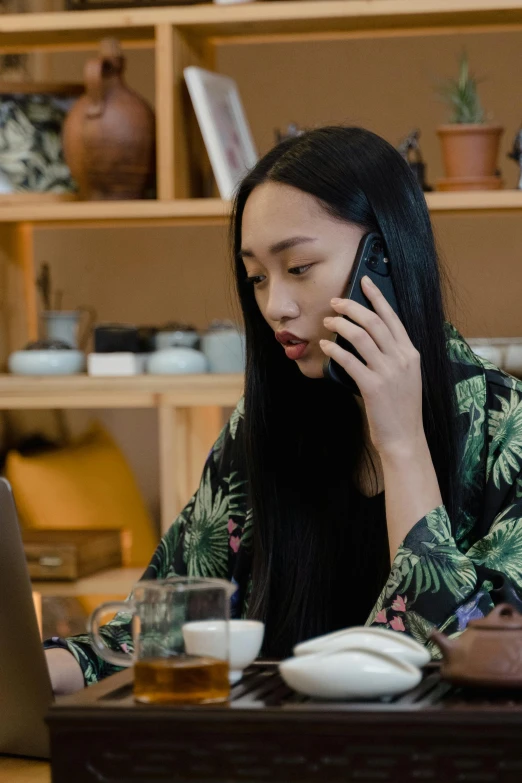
point(176, 361)
point(378, 639)
point(504, 352)
point(351, 674)
point(492, 353)
point(207, 637)
point(513, 360)
point(47, 362)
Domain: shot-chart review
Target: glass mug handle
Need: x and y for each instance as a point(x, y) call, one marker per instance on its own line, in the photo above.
point(93, 627)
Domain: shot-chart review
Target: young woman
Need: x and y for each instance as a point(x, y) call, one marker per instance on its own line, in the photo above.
point(401, 507)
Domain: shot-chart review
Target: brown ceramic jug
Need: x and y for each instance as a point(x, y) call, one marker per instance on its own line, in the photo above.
point(109, 134)
point(488, 653)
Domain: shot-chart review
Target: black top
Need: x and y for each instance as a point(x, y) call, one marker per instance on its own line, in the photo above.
point(364, 565)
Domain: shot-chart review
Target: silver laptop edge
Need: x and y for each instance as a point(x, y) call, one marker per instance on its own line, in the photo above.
point(25, 687)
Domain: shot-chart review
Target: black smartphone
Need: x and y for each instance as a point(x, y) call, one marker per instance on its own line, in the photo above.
point(371, 259)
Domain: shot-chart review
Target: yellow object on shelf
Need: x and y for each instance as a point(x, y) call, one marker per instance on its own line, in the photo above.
point(86, 485)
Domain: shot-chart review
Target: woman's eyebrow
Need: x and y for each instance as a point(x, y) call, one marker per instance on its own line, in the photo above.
point(279, 247)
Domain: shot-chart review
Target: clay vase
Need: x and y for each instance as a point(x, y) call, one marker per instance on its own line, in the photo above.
point(469, 155)
point(109, 135)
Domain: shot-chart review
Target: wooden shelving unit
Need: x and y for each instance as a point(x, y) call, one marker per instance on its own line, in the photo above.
point(100, 214)
point(184, 35)
point(208, 212)
point(140, 391)
point(189, 408)
point(203, 22)
point(479, 201)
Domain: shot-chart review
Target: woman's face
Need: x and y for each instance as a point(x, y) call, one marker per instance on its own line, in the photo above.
point(298, 258)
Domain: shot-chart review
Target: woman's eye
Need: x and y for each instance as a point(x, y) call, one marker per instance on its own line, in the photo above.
point(299, 270)
point(255, 279)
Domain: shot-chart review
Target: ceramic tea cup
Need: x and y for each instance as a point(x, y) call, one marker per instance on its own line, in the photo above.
point(350, 674)
point(373, 639)
point(205, 637)
point(224, 346)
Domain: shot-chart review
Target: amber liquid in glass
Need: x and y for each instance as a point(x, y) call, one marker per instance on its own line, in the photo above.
point(184, 679)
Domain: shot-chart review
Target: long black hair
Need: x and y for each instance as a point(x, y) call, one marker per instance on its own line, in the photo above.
point(303, 437)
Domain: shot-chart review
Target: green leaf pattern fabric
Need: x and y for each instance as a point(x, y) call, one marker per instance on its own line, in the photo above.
point(446, 572)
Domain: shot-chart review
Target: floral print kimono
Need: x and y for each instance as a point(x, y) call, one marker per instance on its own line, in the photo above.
point(438, 578)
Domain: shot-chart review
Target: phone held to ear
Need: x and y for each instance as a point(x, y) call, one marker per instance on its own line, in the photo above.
point(371, 259)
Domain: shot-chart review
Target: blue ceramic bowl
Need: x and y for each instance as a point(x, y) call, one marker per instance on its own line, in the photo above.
point(176, 361)
point(51, 362)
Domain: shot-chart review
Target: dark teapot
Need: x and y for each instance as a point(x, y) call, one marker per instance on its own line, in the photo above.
point(488, 653)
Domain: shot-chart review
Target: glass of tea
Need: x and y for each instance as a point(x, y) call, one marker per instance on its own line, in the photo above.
point(168, 667)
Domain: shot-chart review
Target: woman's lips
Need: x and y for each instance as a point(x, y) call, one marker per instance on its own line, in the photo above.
point(293, 345)
point(295, 351)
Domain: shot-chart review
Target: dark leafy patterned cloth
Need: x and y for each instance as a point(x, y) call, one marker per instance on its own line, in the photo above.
point(438, 578)
point(31, 154)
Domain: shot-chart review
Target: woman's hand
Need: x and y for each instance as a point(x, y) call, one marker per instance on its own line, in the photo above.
point(64, 671)
point(390, 384)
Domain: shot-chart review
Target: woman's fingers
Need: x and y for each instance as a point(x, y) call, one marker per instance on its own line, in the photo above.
point(361, 374)
point(361, 339)
point(370, 322)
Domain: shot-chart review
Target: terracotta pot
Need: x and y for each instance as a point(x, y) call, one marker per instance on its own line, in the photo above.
point(109, 135)
point(470, 150)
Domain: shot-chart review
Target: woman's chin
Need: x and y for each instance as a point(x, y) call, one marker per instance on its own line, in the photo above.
point(311, 368)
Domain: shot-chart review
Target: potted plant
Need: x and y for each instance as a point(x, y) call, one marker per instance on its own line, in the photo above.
point(469, 143)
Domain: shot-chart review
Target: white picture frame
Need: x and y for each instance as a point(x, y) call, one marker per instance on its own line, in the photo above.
point(223, 125)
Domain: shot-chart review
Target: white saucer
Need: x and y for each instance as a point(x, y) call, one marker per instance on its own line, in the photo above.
point(379, 639)
point(351, 674)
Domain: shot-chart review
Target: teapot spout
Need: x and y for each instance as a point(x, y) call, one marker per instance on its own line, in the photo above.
point(441, 640)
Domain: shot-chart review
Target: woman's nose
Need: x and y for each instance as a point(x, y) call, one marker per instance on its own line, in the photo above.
point(280, 304)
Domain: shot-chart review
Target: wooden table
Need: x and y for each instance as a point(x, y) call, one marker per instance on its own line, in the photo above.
point(13, 770)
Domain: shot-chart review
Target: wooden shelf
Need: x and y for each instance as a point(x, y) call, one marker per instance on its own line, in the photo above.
point(308, 17)
point(475, 200)
point(100, 214)
point(141, 391)
point(110, 213)
point(117, 581)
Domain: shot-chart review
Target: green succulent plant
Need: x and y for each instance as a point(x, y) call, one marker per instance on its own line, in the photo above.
point(461, 95)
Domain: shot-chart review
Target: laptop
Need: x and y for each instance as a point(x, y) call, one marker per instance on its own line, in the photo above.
point(25, 687)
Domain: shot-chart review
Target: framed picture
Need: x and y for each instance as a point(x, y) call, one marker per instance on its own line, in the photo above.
point(223, 126)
